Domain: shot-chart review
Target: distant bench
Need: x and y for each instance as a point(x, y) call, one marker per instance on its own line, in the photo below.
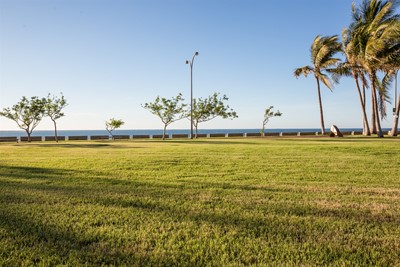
point(8, 139)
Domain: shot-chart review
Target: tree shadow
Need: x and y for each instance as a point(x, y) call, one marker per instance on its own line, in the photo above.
point(99, 188)
point(204, 141)
point(94, 145)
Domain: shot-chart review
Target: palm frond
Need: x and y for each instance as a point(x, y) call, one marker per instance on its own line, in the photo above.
point(303, 71)
point(342, 70)
point(325, 79)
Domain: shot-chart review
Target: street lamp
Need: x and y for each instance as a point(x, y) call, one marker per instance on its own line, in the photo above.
point(191, 92)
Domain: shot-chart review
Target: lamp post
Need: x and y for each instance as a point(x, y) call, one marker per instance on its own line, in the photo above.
point(191, 92)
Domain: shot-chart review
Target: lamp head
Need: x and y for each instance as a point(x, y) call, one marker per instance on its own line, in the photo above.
point(196, 54)
point(187, 61)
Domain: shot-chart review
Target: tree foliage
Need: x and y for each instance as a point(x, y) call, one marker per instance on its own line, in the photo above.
point(210, 108)
point(113, 124)
point(53, 109)
point(322, 52)
point(168, 110)
point(371, 44)
point(268, 114)
point(27, 113)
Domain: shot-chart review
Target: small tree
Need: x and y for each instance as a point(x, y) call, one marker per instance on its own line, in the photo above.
point(210, 108)
point(27, 113)
point(53, 109)
point(113, 124)
point(168, 110)
point(268, 114)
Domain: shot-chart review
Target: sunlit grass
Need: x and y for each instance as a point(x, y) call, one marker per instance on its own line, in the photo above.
point(205, 202)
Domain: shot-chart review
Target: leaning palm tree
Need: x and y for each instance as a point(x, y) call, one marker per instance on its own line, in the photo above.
point(394, 131)
point(322, 51)
point(352, 68)
point(378, 31)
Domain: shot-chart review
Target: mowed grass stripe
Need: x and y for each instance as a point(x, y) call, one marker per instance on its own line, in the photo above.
point(204, 202)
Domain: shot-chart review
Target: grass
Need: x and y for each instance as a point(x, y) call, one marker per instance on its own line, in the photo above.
point(221, 202)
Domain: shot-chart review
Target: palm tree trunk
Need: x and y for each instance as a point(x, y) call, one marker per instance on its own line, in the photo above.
point(394, 130)
point(55, 131)
point(365, 107)
point(375, 105)
point(321, 112)
point(364, 96)
point(366, 130)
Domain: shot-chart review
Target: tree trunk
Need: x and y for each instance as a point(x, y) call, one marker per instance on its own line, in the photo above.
point(366, 130)
point(55, 131)
point(164, 132)
point(364, 96)
point(320, 107)
point(29, 135)
point(110, 132)
point(373, 114)
point(263, 130)
point(377, 122)
point(394, 130)
point(196, 130)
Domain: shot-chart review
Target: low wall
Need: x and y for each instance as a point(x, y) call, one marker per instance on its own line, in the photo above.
point(253, 134)
point(217, 135)
point(33, 138)
point(52, 138)
point(121, 137)
point(99, 137)
point(141, 136)
point(8, 139)
point(180, 136)
point(76, 138)
point(159, 136)
point(235, 134)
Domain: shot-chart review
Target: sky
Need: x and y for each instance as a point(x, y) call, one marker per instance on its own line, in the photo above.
point(109, 57)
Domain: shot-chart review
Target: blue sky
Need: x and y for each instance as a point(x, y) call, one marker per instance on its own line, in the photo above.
point(109, 57)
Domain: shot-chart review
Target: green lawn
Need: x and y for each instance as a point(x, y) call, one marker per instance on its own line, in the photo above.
point(221, 202)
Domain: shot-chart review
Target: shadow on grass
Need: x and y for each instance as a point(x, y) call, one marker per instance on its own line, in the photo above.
point(281, 222)
point(52, 245)
point(88, 144)
point(204, 141)
point(95, 185)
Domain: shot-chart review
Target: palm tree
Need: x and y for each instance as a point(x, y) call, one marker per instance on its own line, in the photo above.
point(377, 30)
point(352, 68)
point(394, 130)
point(322, 51)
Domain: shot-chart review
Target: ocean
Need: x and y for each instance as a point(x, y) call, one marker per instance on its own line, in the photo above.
point(159, 131)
